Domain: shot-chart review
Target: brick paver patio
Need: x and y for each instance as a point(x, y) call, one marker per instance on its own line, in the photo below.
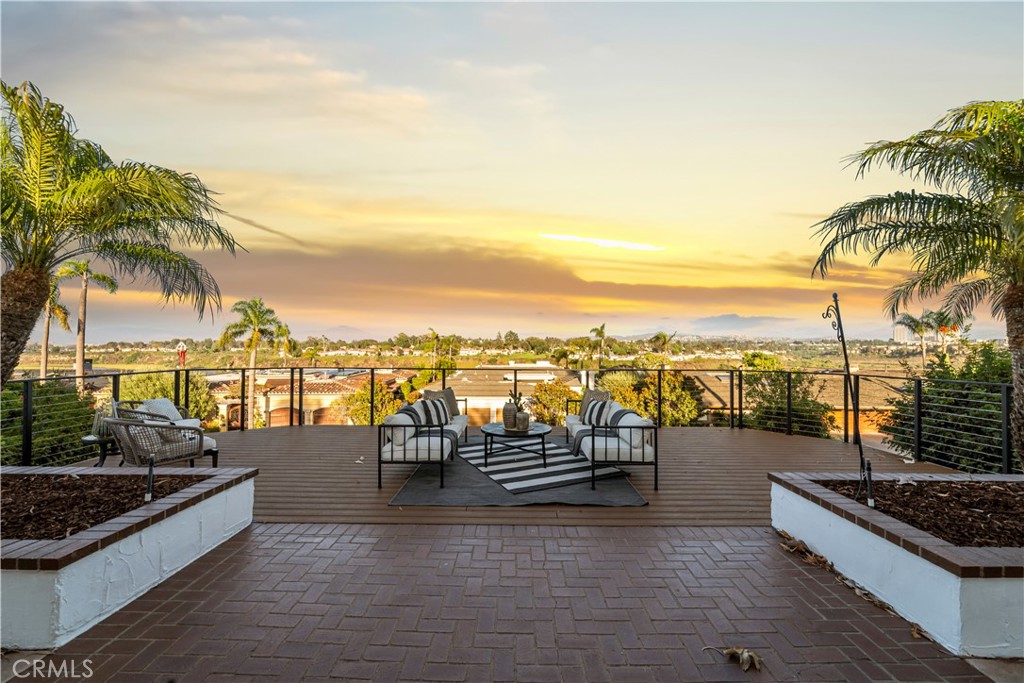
point(291, 602)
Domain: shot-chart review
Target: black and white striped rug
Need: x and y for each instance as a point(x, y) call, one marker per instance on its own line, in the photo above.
point(520, 472)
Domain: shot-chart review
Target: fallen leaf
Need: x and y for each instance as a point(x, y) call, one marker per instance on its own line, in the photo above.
point(745, 658)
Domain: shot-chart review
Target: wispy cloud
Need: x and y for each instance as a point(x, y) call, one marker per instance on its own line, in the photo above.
point(603, 243)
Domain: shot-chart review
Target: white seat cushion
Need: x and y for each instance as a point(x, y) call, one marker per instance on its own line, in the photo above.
point(574, 423)
point(399, 435)
point(417, 449)
point(635, 436)
point(459, 424)
point(614, 449)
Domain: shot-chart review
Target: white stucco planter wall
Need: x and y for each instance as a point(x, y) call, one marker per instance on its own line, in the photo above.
point(43, 609)
point(979, 617)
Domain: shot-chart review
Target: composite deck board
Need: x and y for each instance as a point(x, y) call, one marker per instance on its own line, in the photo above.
point(707, 477)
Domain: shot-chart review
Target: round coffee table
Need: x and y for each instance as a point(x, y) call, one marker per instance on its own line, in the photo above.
point(496, 430)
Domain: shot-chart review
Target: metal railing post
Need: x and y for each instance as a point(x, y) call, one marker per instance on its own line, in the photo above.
point(302, 412)
point(732, 391)
point(1007, 403)
point(660, 373)
point(115, 389)
point(856, 409)
point(515, 382)
point(444, 378)
point(846, 408)
point(291, 397)
point(917, 419)
point(177, 387)
point(26, 424)
point(373, 396)
point(242, 411)
point(789, 402)
point(188, 390)
point(739, 395)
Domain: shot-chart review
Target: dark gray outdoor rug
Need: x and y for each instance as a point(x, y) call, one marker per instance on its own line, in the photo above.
point(465, 485)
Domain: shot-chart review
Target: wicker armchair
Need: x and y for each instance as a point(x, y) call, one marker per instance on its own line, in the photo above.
point(138, 439)
point(127, 410)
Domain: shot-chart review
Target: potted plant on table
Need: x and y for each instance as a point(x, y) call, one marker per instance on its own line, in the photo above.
point(515, 415)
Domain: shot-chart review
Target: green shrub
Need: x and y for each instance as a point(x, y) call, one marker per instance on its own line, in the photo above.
point(60, 419)
point(201, 404)
point(961, 423)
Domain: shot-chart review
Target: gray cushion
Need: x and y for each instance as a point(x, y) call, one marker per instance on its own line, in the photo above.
point(592, 395)
point(448, 394)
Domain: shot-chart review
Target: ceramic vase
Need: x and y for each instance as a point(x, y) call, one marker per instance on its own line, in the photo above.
point(522, 422)
point(508, 416)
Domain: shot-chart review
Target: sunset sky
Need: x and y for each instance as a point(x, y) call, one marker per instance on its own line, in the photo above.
point(539, 167)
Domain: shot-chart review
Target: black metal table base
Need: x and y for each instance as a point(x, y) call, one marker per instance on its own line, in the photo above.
point(489, 449)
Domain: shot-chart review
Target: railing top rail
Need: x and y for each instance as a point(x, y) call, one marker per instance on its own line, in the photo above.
point(285, 369)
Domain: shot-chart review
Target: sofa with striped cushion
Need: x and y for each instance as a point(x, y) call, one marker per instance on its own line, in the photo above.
point(607, 433)
point(421, 432)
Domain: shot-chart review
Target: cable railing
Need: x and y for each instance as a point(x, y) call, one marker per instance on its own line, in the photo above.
point(959, 424)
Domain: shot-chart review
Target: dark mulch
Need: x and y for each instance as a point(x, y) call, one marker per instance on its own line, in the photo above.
point(976, 514)
point(40, 506)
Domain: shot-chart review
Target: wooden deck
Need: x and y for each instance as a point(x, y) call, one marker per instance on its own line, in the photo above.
point(708, 477)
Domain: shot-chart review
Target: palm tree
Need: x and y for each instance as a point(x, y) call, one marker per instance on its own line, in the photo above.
point(284, 344)
point(966, 240)
point(258, 325)
point(560, 356)
point(83, 271)
point(62, 198)
point(53, 309)
point(920, 327)
point(600, 334)
point(312, 353)
point(662, 342)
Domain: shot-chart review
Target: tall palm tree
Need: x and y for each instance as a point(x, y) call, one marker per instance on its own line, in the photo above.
point(62, 198)
point(312, 353)
point(600, 334)
point(662, 342)
point(53, 309)
point(920, 327)
point(284, 344)
point(82, 270)
point(258, 325)
point(966, 240)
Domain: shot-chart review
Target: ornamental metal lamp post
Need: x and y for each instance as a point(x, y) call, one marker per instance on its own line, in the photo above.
point(837, 324)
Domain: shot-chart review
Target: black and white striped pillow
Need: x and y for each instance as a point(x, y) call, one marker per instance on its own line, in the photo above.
point(597, 413)
point(435, 412)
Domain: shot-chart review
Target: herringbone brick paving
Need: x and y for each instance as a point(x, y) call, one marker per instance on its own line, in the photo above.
point(530, 603)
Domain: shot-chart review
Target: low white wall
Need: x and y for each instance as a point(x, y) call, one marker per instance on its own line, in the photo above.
point(993, 617)
point(977, 617)
point(45, 609)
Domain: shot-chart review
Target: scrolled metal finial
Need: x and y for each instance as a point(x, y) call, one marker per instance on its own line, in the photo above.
point(833, 312)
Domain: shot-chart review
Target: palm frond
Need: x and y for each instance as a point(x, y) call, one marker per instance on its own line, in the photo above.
point(900, 222)
point(178, 277)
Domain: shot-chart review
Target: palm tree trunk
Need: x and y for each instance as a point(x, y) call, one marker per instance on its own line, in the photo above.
point(924, 362)
point(80, 338)
point(251, 408)
point(23, 293)
point(1013, 309)
point(44, 351)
